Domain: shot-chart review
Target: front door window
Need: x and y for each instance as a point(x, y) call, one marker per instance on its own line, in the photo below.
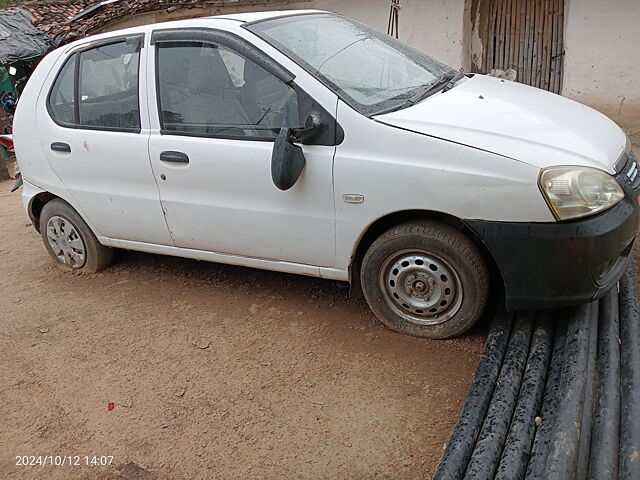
point(210, 90)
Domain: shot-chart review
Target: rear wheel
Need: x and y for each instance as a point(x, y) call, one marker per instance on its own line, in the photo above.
point(425, 279)
point(70, 241)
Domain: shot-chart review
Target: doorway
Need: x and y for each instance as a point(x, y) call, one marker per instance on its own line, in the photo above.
point(524, 35)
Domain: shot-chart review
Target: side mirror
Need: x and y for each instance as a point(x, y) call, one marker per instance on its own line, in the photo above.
point(312, 128)
point(287, 159)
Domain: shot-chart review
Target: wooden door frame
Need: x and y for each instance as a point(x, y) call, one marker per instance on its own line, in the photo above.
point(476, 30)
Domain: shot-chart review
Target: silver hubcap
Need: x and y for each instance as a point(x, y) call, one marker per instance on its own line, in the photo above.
point(420, 287)
point(65, 242)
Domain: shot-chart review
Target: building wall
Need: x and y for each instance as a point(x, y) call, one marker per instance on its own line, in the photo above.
point(434, 26)
point(602, 61)
point(601, 65)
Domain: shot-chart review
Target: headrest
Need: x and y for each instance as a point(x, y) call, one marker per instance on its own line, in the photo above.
point(253, 73)
point(208, 72)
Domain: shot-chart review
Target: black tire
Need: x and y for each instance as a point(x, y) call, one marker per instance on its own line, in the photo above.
point(96, 256)
point(423, 262)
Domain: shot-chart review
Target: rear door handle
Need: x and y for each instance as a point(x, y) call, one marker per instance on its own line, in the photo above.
point(61, 147)
point(175, 157)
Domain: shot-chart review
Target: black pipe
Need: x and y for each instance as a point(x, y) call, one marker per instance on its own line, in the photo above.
point(488, 449)
point(454, 461)
point(629, 466)
point(584, 447)
point(603, 460)
point(587, 395)
point(515, 454)
point(565, 440)
point(551, 400)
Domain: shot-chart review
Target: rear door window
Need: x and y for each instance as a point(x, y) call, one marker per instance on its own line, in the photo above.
point(98, 88)
point(109, 93)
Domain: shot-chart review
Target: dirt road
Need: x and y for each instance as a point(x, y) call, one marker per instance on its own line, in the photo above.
point(215, 372)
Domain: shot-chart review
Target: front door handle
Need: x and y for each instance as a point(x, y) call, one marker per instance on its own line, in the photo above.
point(61, 147)
point(175, 157)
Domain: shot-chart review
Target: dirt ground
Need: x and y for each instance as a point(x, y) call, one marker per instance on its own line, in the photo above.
point(215, 372)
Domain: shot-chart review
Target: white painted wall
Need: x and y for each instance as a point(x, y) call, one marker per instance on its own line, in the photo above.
point(433, 26)
point(602, 61)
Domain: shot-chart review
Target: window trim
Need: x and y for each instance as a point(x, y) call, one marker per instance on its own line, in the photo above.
point(229, 40)
point(287, 15)
point(139, 39)
point(76, 89)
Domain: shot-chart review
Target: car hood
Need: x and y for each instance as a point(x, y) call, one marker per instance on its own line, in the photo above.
point(516, 121)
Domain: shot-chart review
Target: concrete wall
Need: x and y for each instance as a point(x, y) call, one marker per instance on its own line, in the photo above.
point(602, 61)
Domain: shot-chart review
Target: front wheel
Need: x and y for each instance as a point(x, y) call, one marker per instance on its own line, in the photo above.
point(425, 279)
point(70, 241)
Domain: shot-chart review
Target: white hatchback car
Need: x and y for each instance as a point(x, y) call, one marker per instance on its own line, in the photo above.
point(306, 142)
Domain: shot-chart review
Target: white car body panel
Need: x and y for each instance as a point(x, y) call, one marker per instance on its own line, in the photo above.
point(453, 153)
point(29, 191)
point(442, 176)
point(517, 121)
point(107, 176)
point(224, 198)
point(243, 261)
point(29, 152)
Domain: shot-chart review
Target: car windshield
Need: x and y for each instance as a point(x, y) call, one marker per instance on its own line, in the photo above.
point(369, 70)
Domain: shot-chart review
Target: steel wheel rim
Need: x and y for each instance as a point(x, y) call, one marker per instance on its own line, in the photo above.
point(65, 242)
point(421, 287)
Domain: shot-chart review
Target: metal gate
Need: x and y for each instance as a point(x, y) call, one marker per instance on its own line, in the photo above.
point(527, 36)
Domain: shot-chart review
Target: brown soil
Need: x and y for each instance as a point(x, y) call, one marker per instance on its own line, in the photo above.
point(215, 372)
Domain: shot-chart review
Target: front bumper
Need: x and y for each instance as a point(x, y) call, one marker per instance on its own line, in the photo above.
point(558, 264)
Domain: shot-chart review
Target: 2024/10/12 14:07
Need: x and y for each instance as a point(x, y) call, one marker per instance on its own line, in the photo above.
point(64, 460)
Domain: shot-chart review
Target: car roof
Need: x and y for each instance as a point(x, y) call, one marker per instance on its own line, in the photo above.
point(257, 16)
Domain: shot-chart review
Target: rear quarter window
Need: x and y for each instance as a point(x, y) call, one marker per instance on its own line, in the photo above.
point(62, 98)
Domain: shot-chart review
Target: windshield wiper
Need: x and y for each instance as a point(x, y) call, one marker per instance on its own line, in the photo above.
point(449, 79)
point(427, 90)
point(451, 83)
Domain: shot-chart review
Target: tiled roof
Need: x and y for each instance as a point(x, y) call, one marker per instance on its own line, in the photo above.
point(80, 17)
point(51, 15)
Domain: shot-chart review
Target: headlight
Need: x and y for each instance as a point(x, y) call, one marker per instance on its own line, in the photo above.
point(574, 192)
